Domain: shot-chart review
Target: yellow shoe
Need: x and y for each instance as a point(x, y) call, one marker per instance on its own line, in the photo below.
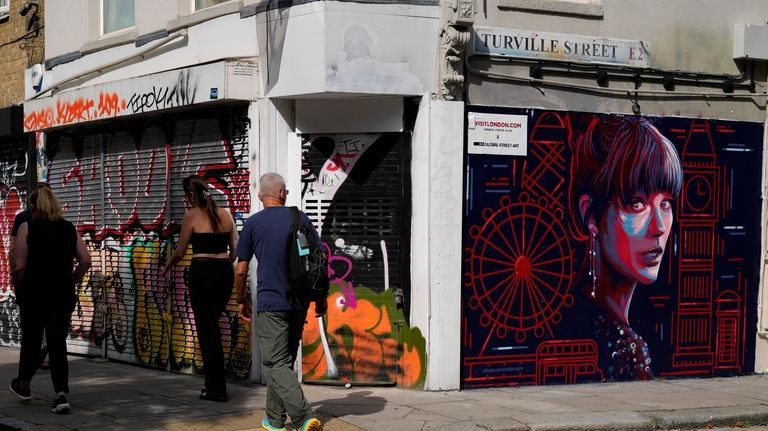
point(311, 424)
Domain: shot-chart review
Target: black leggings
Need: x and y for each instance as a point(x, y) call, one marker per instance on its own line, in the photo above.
point(53, 317)
point(210, 287)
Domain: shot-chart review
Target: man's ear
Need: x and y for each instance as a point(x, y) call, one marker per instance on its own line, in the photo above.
point(584, 201)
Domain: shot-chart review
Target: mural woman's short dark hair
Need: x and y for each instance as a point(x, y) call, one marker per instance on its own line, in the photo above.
point(617, 158)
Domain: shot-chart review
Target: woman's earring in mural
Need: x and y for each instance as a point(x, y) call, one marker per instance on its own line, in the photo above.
point(592, 271)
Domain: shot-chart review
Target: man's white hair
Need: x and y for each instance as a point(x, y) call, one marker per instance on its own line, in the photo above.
point(271, 183)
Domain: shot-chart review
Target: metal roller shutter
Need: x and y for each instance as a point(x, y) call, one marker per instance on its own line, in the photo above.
point(355, 189)
point(217, 149)
point(134, 167)
point(14, 168)
point(77, 184)
point(124, 193)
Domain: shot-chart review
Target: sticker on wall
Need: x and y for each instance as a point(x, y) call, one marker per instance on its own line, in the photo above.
point(504, 135)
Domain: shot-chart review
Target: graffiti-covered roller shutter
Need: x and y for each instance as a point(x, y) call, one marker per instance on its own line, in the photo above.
point(13, 196)
point(354, 190)
point(134, 187)
point(78, 187)
point(132, 205)
point(217, 149)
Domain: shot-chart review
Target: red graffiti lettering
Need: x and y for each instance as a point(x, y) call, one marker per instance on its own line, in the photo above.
point(109, 104)
point(80, 109)
point(338, 161)
point(73, 112)
point(37, 120)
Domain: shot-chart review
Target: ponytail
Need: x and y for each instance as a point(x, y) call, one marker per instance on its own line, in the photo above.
point(203, 199)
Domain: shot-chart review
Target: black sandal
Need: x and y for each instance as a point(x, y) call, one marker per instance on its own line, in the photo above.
point(204, 395)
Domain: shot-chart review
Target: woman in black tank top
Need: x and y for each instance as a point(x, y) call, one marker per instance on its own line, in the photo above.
point(212, 233)
point(45, 291)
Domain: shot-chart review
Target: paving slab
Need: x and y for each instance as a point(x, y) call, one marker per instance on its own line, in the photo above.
point(744, 415)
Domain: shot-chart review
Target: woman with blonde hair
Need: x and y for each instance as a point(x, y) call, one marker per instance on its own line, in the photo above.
point(45, 280)
point(212, 233)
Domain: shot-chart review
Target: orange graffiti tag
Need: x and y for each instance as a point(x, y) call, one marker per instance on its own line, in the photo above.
point(75, 111)
point(109, 104)
point(37, 120)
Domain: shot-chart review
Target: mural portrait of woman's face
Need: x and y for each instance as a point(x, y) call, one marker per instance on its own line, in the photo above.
point(634, 235)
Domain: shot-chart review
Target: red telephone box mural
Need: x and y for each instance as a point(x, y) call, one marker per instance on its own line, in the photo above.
point(606, 247)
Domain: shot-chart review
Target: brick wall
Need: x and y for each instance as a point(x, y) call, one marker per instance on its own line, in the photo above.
point(19, 55)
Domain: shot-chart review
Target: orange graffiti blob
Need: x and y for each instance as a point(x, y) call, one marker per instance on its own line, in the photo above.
point(410, 364)
point(363, 345)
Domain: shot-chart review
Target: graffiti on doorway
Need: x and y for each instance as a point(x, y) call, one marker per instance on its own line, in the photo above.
point(364, 337)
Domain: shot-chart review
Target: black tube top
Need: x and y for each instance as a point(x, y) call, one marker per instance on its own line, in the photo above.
point(209, 242)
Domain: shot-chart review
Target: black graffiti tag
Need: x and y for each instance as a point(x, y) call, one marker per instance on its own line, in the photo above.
point(181, 94)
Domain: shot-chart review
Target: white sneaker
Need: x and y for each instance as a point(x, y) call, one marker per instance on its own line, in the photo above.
point(60, 405)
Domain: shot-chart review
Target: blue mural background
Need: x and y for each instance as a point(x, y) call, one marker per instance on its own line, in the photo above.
point(527, 322)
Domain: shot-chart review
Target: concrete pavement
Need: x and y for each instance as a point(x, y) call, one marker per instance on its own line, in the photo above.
point(115, 396)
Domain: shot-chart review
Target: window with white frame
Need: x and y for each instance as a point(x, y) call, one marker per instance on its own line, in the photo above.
point(202, 4)
point(4, 9)
point(117, 15)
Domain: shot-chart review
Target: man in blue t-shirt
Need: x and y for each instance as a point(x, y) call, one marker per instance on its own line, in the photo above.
point(279, 316)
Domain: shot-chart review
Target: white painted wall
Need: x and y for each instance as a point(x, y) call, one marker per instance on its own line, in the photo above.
point(438, 159)
point(272, 123)
point(71, 24)
point(677, 40)
point(761, 344)
point(420, 210)
point(67, 26)
point(152, 16)
point(305, 48)
point(258, 371)
point(202, 45)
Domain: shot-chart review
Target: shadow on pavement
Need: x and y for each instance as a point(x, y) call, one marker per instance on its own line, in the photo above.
point(359, 403)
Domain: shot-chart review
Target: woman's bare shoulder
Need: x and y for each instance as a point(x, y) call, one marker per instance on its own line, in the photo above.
point(226, 218)
point(196, 219)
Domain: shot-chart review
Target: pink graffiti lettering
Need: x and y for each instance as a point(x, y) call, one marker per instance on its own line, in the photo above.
point(347, 289)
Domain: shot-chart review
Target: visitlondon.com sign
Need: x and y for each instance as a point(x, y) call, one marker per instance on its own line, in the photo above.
point(557, 46)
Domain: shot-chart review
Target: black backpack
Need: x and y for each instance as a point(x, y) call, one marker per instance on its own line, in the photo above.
point(306, 262)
